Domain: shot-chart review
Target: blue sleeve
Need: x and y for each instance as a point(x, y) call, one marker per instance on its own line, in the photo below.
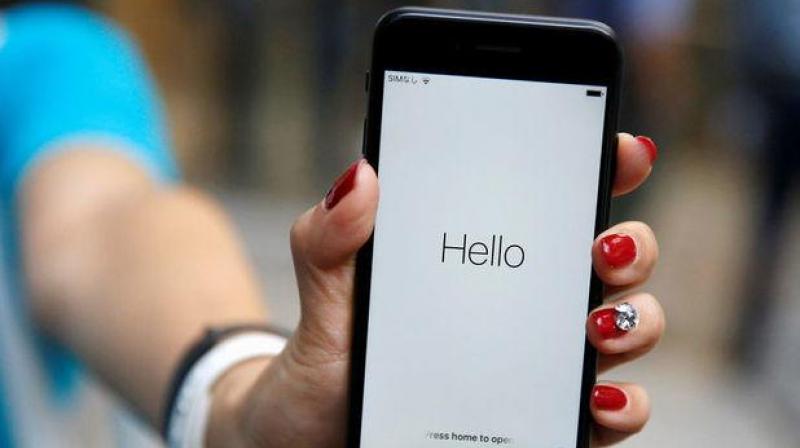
point(67, 75)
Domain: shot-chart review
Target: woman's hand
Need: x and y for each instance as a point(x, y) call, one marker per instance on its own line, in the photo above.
point(299, 399)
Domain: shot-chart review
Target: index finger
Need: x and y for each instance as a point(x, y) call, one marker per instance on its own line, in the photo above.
point(635, 157)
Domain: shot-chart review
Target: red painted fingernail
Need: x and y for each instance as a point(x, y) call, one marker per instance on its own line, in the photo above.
point(609, 398)
point(343, 185)
point(619, 250)
point(650, 146)
point(605, 321)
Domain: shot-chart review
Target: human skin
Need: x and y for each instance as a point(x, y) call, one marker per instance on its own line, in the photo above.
point(128, 273)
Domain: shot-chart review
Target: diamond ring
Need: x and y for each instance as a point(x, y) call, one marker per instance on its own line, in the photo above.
point(627, 318)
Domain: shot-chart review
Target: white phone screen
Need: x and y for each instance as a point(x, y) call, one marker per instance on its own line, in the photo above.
point(481, 261)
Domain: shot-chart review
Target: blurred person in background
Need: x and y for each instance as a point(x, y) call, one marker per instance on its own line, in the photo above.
point(768, 41)
point(110, 257)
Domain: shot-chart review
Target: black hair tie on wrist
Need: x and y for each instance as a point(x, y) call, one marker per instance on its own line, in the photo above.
point(211, 337)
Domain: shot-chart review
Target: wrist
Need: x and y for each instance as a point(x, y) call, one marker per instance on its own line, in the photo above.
point(229, 397)
point(216, 355)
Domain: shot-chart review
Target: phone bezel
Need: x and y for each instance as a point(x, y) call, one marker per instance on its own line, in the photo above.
point(495, 46)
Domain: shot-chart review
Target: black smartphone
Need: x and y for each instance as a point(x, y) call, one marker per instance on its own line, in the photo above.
point(493, 137)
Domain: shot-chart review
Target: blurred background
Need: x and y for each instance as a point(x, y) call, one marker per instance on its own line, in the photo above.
point(266, 100)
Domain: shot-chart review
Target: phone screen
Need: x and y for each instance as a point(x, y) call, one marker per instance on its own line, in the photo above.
point(481, 261)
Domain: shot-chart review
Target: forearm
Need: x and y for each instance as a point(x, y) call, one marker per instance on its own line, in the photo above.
point(127, 274)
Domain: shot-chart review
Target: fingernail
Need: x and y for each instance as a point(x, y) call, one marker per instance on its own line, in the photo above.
point(343, 185)
point(605, 321)
point(615, 322)
point(619, 250)
point(649, 146)
point(609, 398)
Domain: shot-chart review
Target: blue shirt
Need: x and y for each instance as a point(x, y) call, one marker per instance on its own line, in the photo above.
point(66, 76)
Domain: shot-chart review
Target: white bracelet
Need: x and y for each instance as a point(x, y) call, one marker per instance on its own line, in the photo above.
point(189, 417)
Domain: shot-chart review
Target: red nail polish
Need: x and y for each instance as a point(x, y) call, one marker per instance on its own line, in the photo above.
point(343, 185)
point(650, 146)
point(608, 398)
point(605, 321)
point(618, 250)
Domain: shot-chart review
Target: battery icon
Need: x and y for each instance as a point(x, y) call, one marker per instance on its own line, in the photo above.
point(597, 93)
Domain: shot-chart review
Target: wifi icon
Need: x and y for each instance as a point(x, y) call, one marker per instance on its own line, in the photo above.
point(426, 81)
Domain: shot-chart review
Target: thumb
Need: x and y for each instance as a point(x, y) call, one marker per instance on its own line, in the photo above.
point(324, 243)
point(300, 400)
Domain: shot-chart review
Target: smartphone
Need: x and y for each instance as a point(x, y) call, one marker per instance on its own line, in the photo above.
point(493, 137)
